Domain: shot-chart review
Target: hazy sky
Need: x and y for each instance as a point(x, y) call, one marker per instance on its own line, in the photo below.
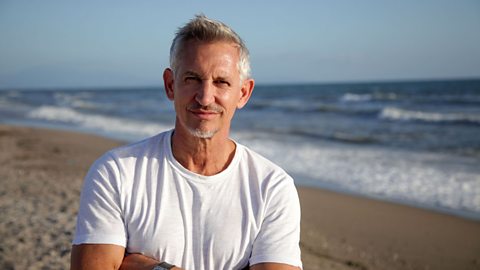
point(126, 43)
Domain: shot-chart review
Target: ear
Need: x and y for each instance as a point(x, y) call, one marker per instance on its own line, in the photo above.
point(168, 81)
point(246, 92)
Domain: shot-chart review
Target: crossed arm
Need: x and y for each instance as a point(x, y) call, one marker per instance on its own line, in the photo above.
point(109, 257)
point(102, 256)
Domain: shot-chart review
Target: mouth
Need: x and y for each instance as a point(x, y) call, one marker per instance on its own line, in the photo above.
point(204, 114)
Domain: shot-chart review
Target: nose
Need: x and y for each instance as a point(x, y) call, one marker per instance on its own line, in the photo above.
point(206, 93)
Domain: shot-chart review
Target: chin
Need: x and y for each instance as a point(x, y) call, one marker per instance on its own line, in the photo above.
point(202, 134)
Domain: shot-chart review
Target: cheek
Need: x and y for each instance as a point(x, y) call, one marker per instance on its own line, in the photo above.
point(228, 101)
point(183, 95)
point(181, 101)
point(229, 98)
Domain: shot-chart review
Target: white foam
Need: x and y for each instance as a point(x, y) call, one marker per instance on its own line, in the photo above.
point(428, 179)
point(98, 122)
point(349, 97)
point(394, 113)
point(75, 100)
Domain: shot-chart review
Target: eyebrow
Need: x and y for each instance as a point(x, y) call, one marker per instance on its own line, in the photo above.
point(191, 73)
point(194, 74)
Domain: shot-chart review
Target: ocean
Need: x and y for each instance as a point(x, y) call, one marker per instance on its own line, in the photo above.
point(415, 143)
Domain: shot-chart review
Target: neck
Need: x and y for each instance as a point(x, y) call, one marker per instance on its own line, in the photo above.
point(202, 156)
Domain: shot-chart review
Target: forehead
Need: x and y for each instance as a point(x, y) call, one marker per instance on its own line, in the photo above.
point(209, 55)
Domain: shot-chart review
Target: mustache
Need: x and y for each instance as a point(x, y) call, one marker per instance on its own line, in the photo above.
point(210, 108)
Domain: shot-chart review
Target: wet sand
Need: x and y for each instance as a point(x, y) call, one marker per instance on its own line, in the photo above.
point(41, 175)
point(346, 232)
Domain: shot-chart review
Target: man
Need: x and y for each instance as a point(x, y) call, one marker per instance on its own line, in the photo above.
point(191, 197)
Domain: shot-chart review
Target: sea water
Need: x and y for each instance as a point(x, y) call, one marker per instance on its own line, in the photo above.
point(416, 143)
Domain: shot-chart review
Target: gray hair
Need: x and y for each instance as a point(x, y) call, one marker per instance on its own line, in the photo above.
point(204, 29)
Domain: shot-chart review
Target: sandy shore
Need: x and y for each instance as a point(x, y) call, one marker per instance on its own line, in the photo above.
point(42, 171)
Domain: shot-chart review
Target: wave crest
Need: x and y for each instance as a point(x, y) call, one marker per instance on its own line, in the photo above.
point(97, 122)
point(349, 97)
point(393, 113)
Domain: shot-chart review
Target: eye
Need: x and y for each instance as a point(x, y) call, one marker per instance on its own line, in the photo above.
point(191, 79)
point(222, 82)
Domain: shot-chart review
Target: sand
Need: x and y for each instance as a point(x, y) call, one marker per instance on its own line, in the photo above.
point(359, 233)
point(41, 175)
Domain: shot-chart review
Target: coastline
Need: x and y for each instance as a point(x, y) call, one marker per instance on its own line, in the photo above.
point(42, 173)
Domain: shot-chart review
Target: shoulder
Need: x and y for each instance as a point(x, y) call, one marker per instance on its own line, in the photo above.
point(113, 167)
point(257, 161)
point(267, 173)
point(141, 148)
point(131, 153)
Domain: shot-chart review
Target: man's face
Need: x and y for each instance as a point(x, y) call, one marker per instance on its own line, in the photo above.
point(206, 88)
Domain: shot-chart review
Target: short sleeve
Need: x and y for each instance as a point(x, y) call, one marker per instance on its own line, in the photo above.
point(279, 237)
point(100, 218)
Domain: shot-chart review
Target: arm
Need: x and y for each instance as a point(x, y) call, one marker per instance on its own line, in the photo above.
point(273, 266)
point(139, 262)
point(276, 246)
point(101, 256)
point(100, 235)
point(96, 257)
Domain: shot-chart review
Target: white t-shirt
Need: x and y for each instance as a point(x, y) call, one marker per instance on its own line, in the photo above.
point(139, 197)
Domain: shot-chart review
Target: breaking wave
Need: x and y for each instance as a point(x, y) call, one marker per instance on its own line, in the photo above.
point(349, 97)
point(97, 122)
point(393, 113)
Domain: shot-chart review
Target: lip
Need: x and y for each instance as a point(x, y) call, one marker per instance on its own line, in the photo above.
point(204, 115)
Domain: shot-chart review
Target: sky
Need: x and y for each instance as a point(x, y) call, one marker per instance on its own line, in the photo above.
point(75, 44)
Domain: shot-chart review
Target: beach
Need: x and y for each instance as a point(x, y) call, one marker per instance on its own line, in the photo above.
point(42, 172)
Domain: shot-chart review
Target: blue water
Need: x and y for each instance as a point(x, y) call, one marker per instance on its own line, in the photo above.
point(411, 142)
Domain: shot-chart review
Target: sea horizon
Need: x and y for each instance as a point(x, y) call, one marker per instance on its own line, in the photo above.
point(257, 84)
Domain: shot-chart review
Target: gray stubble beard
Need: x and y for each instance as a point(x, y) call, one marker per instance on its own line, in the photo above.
point(196, 132)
